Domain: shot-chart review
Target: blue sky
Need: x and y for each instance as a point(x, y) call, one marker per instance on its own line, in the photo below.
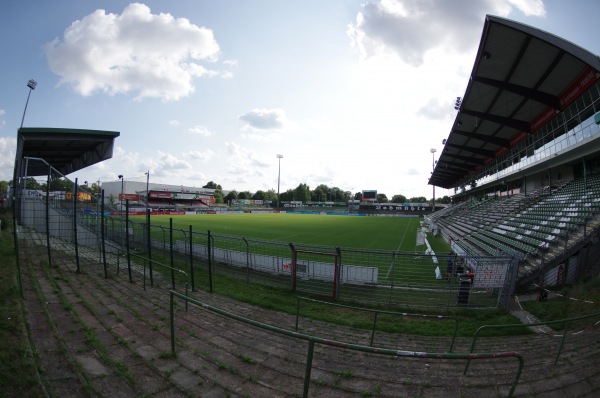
point(352, 93)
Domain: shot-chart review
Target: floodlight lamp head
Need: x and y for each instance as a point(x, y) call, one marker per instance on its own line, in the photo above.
point(279, 156)
point(433, 150)
point(120, 176)
point(31, 84)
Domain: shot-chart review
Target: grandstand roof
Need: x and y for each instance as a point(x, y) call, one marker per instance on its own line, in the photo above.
point(521, 78)
point(67, 150)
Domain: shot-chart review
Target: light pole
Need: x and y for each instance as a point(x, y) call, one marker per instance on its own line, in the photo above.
point(279, 157)
point(433, 150)
point(31, 84)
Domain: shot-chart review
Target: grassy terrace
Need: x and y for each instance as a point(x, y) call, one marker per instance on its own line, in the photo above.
point(17, 368)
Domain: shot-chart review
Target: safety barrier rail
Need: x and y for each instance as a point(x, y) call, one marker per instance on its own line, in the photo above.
point(376, 312)
point(357, 347)
point(566, 322)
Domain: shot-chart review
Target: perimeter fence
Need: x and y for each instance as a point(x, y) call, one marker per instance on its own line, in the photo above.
point(66, 222)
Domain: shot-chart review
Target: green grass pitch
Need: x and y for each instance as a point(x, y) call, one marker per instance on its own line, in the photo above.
point(374, 238)
point(375, 233)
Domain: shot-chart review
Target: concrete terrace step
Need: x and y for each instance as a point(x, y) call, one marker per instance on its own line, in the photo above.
point(218, 356)
point(68, 364)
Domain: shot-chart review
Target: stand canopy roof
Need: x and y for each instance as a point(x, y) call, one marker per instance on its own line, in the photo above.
point(521, 78)
point(66, 150)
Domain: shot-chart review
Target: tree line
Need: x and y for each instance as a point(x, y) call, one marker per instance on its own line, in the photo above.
point(303, 193)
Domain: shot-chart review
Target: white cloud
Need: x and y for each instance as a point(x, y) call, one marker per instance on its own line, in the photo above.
point(244, 163)
point(8, 146)
point(173, 122)
point(411, 28)
point(262, 137)
point(200, 130)
point(203, 156)
point(153, 55)
point(264, 119)
point(231, 62)
point(436, 109)
point(167, 161)
point(530, 7)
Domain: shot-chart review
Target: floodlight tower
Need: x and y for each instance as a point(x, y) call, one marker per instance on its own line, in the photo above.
point(433, 151)
point(31, 84)
point(279, 157)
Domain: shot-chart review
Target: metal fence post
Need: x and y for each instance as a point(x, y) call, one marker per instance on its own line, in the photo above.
point(209, 246)
point(392, 278)
point(247, 260)
point(309, 359)
point(293, 267)
point(171, 253)
point(338, 274)
point(192, 260)
point(127, 239)
point(74, 198)
point(149, 246)
point(172, 318)
point(102, 237)
point(48, 216)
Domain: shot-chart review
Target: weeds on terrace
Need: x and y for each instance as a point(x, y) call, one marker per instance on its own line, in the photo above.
point(90, 334)
point(346, 374)
point(17, 362)
point(247, 359)
point(166, 355)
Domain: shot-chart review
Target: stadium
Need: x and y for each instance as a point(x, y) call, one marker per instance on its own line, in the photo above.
point(136, 289)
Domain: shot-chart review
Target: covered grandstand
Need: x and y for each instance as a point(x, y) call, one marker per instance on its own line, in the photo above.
point(158, 197)
point(523, 155)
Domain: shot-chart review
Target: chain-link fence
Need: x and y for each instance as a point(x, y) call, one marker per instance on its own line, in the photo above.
point(59, 220)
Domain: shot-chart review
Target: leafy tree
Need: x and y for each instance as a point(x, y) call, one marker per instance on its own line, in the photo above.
point(399, 199)
point(336, 195)
point(319, 194)
point(445, 200)
point(302, 193)
point(213, 185)
point(31, 183)
point(95, 188)
point(381, 198)
point(218, 197)
point(286, 196)
point(271, 195)
point(244, 195)
point(3, 188)
point(358, 196)
point(259, 195)
point(231, 196)
point(60, 184)
point(418, 199)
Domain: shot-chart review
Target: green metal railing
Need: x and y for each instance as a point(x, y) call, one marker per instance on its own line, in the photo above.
point(376, 312)
point(356, 347)
point(566, 322)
